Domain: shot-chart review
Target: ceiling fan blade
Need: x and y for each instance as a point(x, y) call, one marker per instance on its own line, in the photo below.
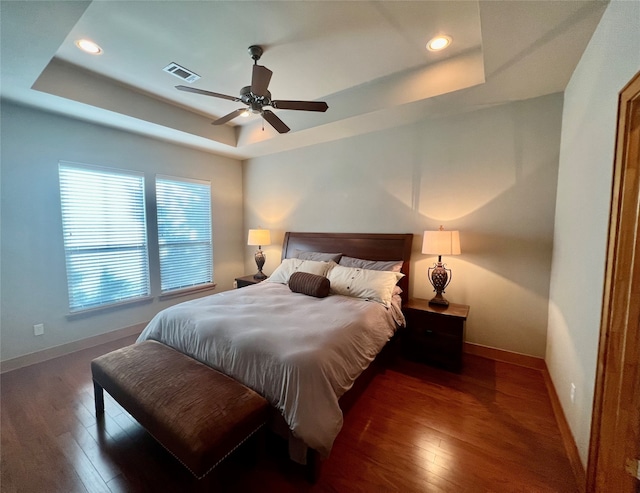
point(275, 122)
point(207, 93)
point(260, 80)
point(300, 105)
point(229, 117)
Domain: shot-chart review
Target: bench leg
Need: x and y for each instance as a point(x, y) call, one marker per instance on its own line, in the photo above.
point(98, 394)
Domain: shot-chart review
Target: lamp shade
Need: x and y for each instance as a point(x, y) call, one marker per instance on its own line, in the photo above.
point(441, 242)
point(259, 237)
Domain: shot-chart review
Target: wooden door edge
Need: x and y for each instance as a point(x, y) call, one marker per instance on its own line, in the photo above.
point(614, 264)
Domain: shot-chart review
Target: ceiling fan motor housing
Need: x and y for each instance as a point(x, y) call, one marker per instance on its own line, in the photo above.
point(255, 102)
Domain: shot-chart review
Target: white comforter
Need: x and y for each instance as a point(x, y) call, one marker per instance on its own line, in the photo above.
point(301, 353)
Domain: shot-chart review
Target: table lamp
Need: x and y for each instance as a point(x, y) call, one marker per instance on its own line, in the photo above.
point(440, 243)
point(259, 237)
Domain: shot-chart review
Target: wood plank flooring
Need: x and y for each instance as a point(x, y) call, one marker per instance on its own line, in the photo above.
point(414, 429)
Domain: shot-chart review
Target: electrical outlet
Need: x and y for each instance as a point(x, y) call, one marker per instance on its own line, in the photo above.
point(573, 392)
point(235, 284)
point(38, 329)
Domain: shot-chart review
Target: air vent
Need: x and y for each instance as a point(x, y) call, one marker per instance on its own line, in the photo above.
point(181, 72)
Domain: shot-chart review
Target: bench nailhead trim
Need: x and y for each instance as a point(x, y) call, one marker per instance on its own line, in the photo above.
point(216, 464)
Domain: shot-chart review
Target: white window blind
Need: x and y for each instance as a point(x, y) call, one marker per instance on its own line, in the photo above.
point(105, 235)
point(184, 232)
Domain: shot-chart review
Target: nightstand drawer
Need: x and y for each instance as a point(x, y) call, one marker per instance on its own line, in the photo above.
point(435, 335)
point(424, 344)
point(433, 323)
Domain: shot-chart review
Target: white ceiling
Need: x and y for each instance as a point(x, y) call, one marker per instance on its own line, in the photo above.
point(366, 59)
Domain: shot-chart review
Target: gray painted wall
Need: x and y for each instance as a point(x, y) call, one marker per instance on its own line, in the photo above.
point(33, 277)
point(582, 211)
point(491, 174)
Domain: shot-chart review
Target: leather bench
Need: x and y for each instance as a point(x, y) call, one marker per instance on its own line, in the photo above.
point(197, 413)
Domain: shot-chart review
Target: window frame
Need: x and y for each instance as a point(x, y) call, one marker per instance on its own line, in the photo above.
point(66, 209)
point(186, 288)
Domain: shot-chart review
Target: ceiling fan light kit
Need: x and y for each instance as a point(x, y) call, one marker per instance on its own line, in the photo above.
point(257, 96)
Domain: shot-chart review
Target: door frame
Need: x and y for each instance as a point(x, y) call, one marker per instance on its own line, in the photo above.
point(618, 371)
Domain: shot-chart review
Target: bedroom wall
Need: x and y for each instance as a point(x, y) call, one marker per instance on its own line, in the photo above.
point(582, 210)
point(491, 174)
point(33, 278)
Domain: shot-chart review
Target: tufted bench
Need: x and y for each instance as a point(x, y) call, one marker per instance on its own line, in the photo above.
point(197, 413)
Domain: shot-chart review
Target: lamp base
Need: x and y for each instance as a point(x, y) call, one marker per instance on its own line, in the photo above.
point(260, 259)
point(439, 277)
point(438, 299)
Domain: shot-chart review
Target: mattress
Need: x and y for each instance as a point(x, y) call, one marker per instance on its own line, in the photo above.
point(301, 353)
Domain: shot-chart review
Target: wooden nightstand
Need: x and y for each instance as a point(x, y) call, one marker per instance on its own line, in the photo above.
point(435, 334)
point(244, 281)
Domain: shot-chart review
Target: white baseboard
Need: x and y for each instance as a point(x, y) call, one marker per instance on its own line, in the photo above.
point(63, 349)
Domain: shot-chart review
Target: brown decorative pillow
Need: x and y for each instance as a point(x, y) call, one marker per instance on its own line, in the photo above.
point(309, 284)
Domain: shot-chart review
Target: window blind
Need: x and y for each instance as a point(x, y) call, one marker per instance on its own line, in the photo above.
point(105, 239)
point(184, 232)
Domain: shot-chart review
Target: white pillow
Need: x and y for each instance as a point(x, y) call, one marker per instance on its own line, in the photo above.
point(363, 283)
point(290, 265)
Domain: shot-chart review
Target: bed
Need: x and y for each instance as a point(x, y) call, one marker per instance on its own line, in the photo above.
point(302, 353)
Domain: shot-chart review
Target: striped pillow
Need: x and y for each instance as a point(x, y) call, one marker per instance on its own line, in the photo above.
point(309, 284)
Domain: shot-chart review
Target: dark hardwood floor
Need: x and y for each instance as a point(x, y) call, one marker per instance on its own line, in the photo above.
point(414, 429)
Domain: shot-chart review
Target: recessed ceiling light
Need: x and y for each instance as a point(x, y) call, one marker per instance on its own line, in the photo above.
point(89, 46)
point(439, 43)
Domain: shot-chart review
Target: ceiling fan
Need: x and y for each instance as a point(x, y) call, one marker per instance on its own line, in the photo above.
point(256, 97)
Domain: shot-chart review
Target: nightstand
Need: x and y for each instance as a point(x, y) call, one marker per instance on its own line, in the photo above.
point(244, 281)
point(435, 333)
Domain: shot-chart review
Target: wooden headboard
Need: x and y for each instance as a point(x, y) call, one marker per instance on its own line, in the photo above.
point(369, 246)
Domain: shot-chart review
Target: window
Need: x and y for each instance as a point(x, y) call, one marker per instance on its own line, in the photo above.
point(184, 232)
point(105, 235)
